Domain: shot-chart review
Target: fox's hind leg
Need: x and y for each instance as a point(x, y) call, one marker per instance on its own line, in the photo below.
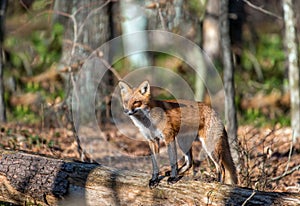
point(186, 165)
point(173, 162)
point(185, 144)
point(188, 162)
point(213, 157)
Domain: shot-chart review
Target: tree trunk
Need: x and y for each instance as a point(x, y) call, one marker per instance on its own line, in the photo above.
point(211, 31)
point(3, 6)
point(2, 103)
point(27, 178)
point(134, 20)
point(292, 54)
point(230, 112)
point(87, 27)
point(211, 37)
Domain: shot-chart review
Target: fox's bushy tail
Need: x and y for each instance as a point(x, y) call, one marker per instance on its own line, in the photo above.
point(227, 163)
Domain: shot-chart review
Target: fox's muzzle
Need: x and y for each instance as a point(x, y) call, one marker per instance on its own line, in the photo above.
point(129, 112)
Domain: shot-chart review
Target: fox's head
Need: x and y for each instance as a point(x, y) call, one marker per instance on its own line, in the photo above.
point(135, 99)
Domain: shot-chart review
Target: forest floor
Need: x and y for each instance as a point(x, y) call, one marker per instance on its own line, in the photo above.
point(269, 158)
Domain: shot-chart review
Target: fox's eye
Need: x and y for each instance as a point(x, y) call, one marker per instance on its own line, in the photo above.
point(137, 103)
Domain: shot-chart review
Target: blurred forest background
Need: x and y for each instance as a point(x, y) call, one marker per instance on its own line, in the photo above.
point(45, 43)
point(37, 33)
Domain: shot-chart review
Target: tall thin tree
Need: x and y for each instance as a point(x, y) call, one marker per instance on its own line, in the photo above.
point(230, 111)
point(3, 6)
point(292, 56)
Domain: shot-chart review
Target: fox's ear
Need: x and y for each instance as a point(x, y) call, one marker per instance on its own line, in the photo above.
point(144, 88)
point(124, 87)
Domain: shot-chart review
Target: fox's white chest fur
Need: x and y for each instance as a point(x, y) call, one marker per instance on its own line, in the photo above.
point(147, 126)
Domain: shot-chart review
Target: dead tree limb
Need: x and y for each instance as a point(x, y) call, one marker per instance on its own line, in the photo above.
point(27, 178)
point(259, 8)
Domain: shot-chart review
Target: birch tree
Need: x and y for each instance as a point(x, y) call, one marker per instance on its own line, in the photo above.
point(134, 21)
point(293, 67)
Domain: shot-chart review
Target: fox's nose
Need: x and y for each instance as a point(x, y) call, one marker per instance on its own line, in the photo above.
point(129, 112)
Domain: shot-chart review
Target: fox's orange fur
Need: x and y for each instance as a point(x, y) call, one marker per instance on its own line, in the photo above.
point(182, 120)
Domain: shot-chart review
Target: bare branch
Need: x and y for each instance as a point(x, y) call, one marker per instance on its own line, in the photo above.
point(249, 198)
point(25, 7)
point(288, 172)
point(261, 9)
point(256, 65)
point(108, 66)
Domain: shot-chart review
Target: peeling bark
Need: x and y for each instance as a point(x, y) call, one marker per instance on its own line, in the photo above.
point(27, 178)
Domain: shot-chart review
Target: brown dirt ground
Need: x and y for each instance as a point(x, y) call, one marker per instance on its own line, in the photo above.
point(265, 153)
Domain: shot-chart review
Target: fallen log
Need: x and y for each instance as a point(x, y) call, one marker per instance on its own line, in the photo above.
point(34, 179)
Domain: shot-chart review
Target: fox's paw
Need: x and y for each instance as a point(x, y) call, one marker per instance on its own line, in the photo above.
point(173, 180)
point(153, 183)
point(168, 173)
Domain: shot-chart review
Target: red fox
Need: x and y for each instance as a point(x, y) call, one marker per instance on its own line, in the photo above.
point(164, 120)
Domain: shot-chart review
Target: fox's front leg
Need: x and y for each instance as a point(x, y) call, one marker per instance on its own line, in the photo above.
point(154, 146)
point(173, 162)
